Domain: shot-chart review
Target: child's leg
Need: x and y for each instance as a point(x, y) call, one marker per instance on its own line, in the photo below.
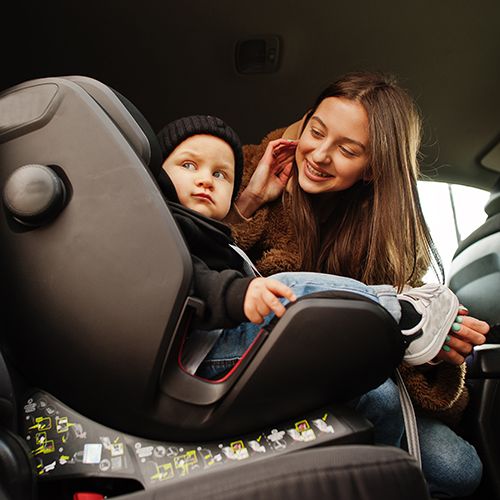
point(303, 283)
point(424, 314)
point(230, 347)
point(234, 342)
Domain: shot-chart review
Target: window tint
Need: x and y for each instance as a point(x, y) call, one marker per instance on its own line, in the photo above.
point(452, 212)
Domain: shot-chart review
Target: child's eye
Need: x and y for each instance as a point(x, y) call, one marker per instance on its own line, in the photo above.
point(189, 165)
point(219, 175)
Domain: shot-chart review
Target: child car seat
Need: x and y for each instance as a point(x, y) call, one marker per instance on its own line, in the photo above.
point(96, 301)
point(96, 282)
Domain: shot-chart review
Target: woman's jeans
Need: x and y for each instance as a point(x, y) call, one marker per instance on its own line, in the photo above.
point(450, 464)
point(233, 342)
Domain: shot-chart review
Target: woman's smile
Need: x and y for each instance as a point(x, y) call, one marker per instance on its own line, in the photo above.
point(315, 173)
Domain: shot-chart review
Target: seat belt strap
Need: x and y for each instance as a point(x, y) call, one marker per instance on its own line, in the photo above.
point(409, 420)
point(200, 343)
point(248, 264)
point(196, 348)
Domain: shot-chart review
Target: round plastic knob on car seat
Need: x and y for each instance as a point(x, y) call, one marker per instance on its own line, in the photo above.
point(34, 194)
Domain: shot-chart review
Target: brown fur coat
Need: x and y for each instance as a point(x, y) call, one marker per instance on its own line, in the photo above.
point(269, 240)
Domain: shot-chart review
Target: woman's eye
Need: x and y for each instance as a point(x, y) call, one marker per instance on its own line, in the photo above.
point(347, 152)
point(219, 175)
point(316, 133)
point(189, 165)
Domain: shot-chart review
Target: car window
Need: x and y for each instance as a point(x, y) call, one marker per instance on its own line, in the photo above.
point(452, 212)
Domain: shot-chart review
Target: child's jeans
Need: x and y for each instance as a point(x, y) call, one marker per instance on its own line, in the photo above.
point(232, 343)
point(451, 465)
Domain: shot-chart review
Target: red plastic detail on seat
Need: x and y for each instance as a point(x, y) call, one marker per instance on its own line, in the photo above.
point(84, 495)
point(183, 341)
point(238, 363)
point(230, 372)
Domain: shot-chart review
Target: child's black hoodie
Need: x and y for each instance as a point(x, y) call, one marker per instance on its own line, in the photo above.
point(219, 276)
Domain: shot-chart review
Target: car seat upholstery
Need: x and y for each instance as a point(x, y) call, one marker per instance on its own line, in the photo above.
point(349, 473)
point(96, 301)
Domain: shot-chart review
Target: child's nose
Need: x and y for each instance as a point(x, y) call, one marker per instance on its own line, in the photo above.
point(204, 180)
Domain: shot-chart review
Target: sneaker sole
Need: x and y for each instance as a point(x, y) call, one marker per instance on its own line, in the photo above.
point(433, 349)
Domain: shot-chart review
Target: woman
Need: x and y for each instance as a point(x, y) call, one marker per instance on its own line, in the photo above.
point(348, 205)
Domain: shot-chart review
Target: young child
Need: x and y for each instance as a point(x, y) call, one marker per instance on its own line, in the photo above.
point(201, 175)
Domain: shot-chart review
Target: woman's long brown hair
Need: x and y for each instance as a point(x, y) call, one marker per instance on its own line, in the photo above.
point(374, 231)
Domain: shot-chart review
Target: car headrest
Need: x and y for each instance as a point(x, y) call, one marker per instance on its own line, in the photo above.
point(492, 206)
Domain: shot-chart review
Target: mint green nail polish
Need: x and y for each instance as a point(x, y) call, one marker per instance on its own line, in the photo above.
point(459, 319)
point(456, 327)
point(446, 348)
point(448, 338)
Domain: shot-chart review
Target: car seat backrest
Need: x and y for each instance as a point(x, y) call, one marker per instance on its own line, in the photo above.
point(475, 270)
point(490, 226)
point(112, 262)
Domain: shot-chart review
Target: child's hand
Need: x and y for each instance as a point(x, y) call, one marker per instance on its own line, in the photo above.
point(262, 298)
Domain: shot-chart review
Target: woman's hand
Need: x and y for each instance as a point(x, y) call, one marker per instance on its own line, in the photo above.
point(262, 298)
point(269, 178)
point(464, 335)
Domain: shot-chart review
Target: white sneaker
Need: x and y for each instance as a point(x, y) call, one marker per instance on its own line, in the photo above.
point(438, 306)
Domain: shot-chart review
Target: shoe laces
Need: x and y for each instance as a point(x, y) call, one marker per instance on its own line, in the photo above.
point(424, 293)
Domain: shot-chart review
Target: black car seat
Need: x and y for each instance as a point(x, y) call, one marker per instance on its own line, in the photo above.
point(95, 302)
point(96, 284)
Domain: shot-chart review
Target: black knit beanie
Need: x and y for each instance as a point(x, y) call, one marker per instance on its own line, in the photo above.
point(172, 134)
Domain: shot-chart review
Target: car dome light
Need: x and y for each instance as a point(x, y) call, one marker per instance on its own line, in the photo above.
point(257, 55)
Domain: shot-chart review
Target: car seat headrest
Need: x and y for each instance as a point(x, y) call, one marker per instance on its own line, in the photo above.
point(128, 118)
point(155, 160)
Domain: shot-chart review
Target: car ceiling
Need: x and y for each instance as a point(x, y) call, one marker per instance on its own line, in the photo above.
point(176, 58)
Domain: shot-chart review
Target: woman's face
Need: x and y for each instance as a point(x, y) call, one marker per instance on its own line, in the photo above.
point(332, 152)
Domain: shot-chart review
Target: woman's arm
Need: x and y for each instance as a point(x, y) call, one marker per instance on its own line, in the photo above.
point(465, 334)
point(440, 390)
point(249, 227)
point(263, 187)
point(269, 178)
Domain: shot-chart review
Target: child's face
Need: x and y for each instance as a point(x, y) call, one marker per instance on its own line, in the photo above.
point(202, 171)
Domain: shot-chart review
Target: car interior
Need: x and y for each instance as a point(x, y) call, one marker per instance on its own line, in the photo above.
point(95, 401)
